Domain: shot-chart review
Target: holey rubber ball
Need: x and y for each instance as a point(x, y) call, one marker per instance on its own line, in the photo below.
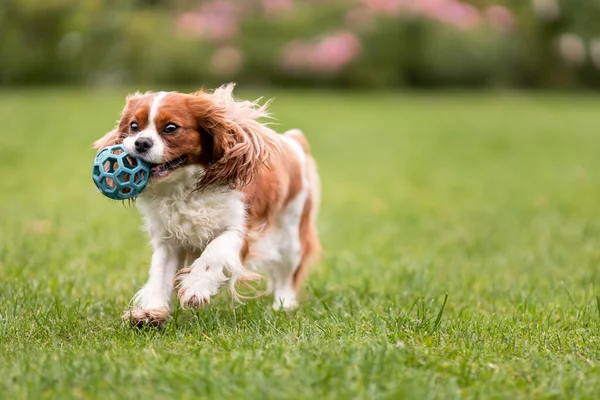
point(119, 175)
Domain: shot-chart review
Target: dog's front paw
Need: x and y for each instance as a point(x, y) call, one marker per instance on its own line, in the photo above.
point(194, 291)
point(152, 317)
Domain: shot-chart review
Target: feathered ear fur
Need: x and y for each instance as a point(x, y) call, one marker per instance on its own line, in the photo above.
point(241, 144)
point(111, 138)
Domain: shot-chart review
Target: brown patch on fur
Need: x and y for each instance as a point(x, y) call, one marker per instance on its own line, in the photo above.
point(271, 192)
point(188, 139)
point(239, 150)
point(245, 252)
point(309, 235)
point(309, 240)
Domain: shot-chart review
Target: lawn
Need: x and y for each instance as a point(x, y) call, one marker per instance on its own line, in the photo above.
point(490, 200)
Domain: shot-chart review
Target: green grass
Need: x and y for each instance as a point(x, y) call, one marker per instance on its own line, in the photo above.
point(493, 201)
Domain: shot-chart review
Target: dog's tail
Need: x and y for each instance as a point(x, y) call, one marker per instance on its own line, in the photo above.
point(299, 137)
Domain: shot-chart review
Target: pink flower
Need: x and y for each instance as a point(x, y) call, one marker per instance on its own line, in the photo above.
point(277, 7)
point(334, 52)
point(432, 8)
point(226, 61)
point(461, 15)
point(217, 20)
point(390, 7)
point(500, 18)
point(453, 12)
point(327, 55)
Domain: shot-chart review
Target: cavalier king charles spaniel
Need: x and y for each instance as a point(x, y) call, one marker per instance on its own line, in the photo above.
point(229, 200)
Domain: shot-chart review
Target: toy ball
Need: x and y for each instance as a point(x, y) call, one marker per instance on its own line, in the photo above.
point(119, 175)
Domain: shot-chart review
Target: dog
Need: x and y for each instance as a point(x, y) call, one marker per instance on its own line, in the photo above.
point(229, 200)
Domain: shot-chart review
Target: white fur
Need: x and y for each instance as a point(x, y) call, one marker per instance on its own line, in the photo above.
point(181, 221)
point(219, 263)
point(166, 260)
point(156, 102)
point(156, 153)
point(174, 209)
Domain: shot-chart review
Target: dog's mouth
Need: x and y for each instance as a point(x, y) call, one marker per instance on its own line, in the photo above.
point(164, 169)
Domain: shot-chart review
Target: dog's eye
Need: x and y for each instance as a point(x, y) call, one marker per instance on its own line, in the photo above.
point(133, 127)
point(170, 128)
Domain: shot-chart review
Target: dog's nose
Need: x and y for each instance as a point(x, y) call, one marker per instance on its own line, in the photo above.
point(142, 144)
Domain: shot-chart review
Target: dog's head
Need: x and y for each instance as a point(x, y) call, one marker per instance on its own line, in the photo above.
point(221, 135)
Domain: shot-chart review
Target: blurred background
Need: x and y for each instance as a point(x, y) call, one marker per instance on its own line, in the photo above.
point(334, 43)
point(485, 195)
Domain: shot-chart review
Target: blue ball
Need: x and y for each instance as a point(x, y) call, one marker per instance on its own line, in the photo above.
point(119, 175)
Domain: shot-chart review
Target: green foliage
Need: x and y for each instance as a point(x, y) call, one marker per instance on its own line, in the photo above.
point(104, 42)
point(490, 200)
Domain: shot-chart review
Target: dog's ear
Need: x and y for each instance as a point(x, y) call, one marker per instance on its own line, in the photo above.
point(239, 145)
point(111, 138)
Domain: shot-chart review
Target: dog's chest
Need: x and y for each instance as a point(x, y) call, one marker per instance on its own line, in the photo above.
point(191, 220)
